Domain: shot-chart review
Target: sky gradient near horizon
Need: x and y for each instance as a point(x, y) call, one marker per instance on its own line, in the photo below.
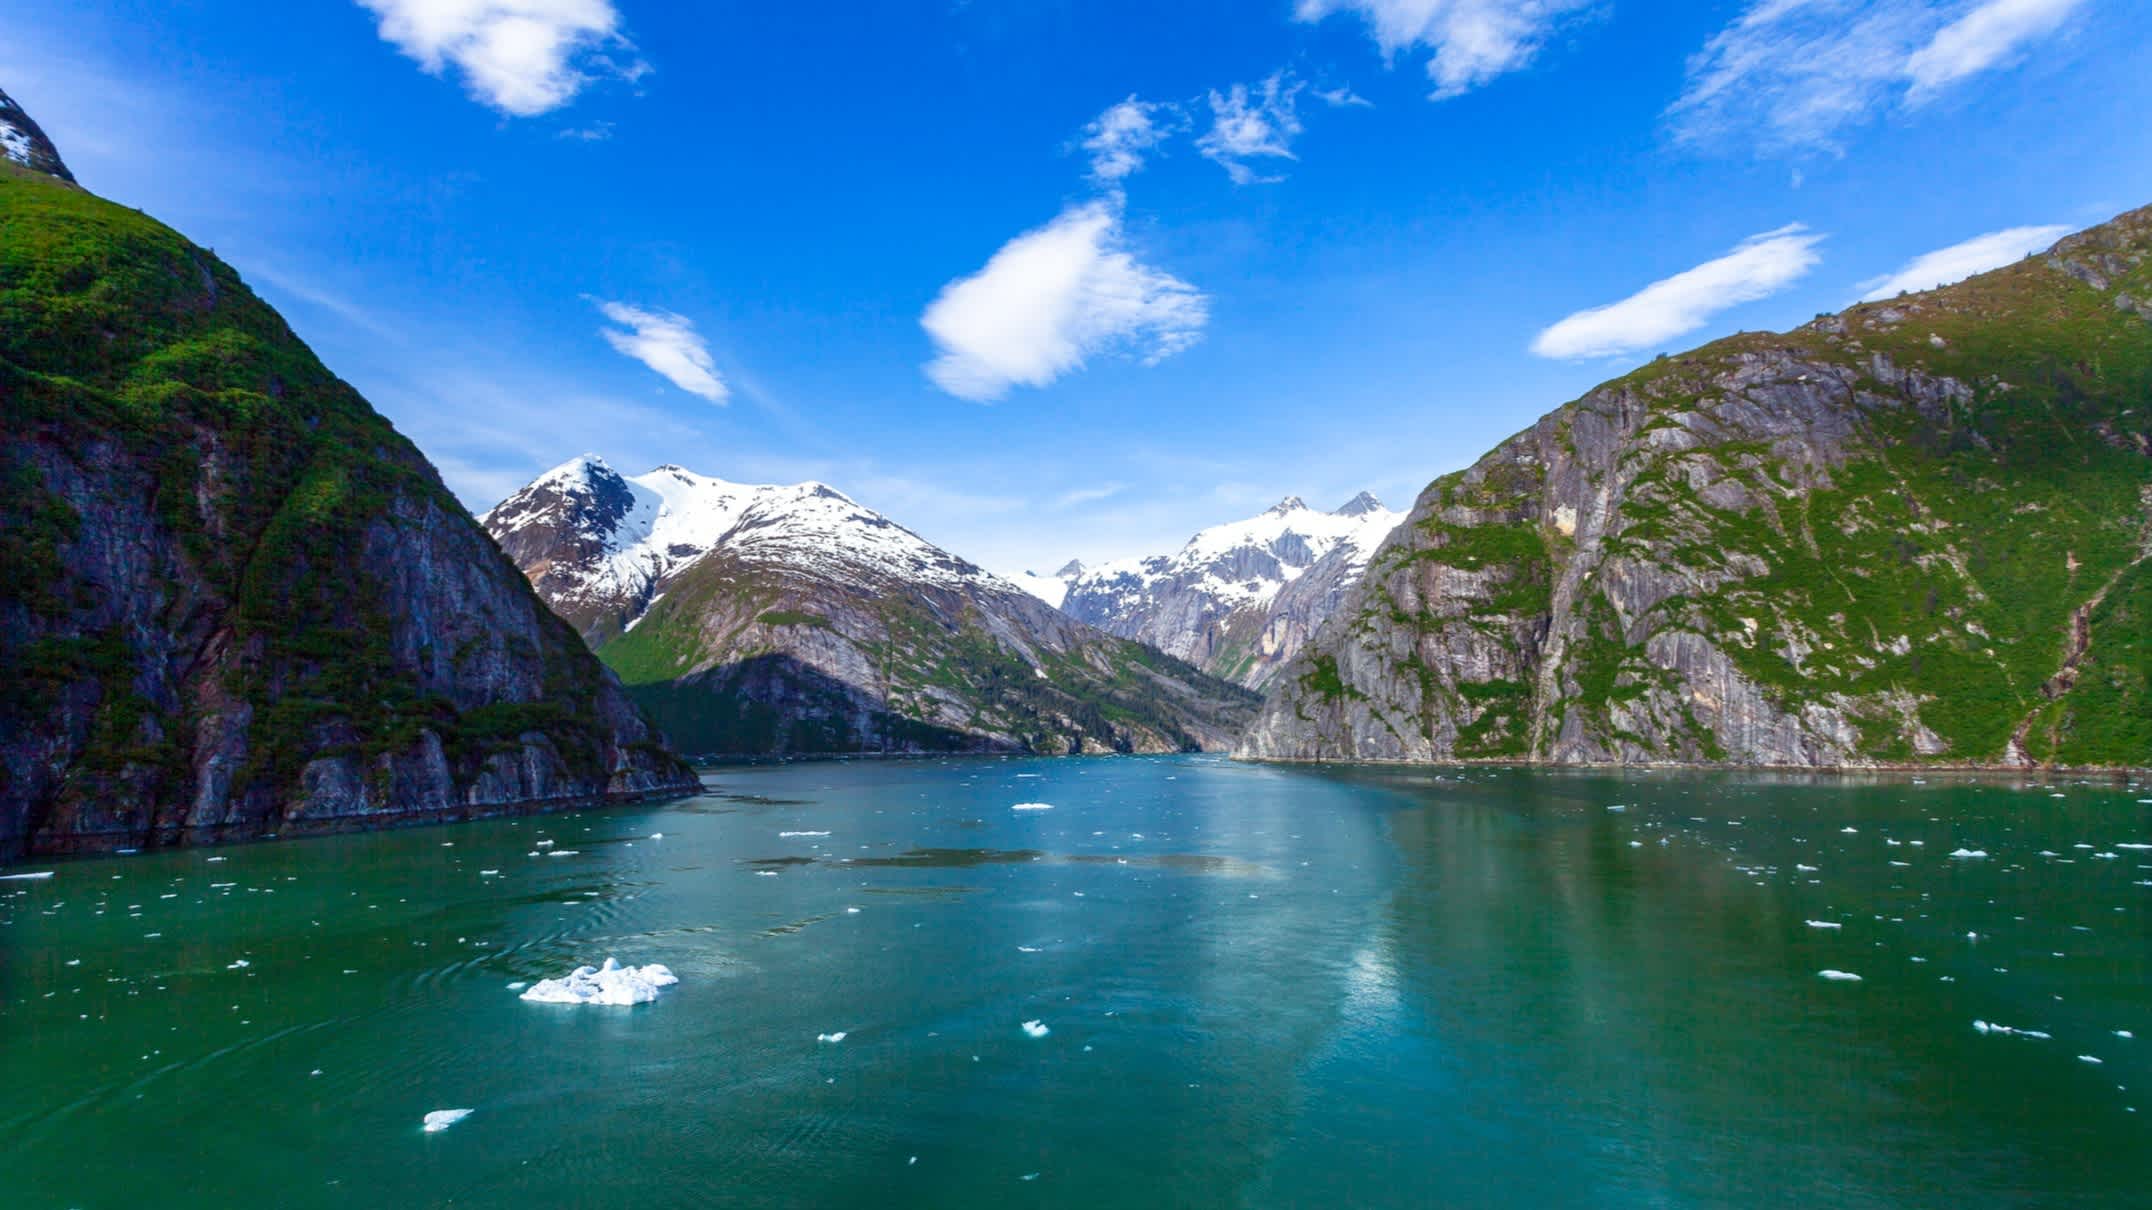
point(1062, 279)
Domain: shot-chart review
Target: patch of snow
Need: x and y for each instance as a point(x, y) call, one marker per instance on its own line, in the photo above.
point(609, 984)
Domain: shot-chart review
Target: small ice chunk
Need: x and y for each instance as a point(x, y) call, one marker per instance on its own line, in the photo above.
point(565, 853)
point(789, 835)
point(441, 1119)
point(1033, 806)
point(1968, 854)
point(2095, 1060)
point(544, 844)
point(36, 877)
point(1806, 869)
point(239, 965)
point(1617, 807)
point(1036, 1029)
point(1989, 1027)
point(657, 836)
point(835, 1037)
point(489, 873)
point(1840, 976)
point(608, 984)
point(1825, 924)
point(518, 985)
point(2123, 1033)
point(1850, 831)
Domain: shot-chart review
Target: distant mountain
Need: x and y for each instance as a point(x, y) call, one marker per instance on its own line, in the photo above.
point(233, 599)
point(791, 619)
point(1239, 599)
point(1919, 532)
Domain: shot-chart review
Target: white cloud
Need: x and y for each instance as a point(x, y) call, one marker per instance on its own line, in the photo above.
point(1792, 74)
point(522, 57)
point(1960, 261)
point(1761, 266)
point(668, 344)
point(1247, 126)
point(1987, 37)
point(1052, 297)
point(1088, 495)
point(1121, 137)
point(1473, 41)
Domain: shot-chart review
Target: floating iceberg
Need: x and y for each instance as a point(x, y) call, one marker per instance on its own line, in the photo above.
point(1988, 1027)
point(1825, 924)
point(37, 877)
point(835, 1037)
point(441, 1119)
point(1840, 976)
point(1966, 854)
point(1033, 806)
point(1036, 1029)
point(608, 984)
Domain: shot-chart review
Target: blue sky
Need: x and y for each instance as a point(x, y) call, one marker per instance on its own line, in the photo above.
point(1049, 278)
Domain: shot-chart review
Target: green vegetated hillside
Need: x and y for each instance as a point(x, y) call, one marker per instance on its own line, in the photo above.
point(232, 598)
point(1916, 532)
point(745, 658)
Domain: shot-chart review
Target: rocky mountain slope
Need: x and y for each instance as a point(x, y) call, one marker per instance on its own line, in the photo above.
point(1239, 599)
point(790, 619)
point(233, 600)
point(1917, 532)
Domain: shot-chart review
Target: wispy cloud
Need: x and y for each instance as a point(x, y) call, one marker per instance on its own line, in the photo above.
point(1051, 298)
point(1960, 261)
point(1991, 35)
point(1251, 125)
point(1089, 495)
point(1121, 138)
point(1761, 266)
point(1794, 74)
point(522, 57)
point(1474, 41)
point(669, 344)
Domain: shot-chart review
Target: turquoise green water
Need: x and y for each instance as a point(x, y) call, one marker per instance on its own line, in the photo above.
point(1263, 987)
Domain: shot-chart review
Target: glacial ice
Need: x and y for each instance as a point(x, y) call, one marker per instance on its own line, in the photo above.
point(1036, 1029)
point(609, 984)
point(441, 1119)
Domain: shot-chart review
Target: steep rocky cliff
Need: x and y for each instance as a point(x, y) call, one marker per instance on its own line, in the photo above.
point(233, 600)
point(1239, 599)
point(791, 619)
point(1917, 532)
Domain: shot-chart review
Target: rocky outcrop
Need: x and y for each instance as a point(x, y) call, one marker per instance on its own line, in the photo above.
point(233, 600)
point(1914, 533)
point(23, 144)
point(1240, 599)
point(793, 620)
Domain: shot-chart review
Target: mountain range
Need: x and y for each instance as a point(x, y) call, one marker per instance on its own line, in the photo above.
point(791, 619)
point(1918, 532)
point(1237, 600)
point(233, 599)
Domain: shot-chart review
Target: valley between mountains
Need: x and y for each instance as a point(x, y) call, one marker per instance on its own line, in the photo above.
point(234, 601)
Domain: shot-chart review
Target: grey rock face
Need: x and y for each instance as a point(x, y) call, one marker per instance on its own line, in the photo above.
point(23, 143)
point(1239, 599)
point(1867, 542)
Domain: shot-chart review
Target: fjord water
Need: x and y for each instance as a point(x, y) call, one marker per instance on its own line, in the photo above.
point(1260, 986)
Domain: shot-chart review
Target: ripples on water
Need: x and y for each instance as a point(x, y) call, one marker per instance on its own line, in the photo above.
point(1258, 987)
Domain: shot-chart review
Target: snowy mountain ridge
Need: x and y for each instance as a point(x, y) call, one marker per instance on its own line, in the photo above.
point(1239, 598)
point(627, 535)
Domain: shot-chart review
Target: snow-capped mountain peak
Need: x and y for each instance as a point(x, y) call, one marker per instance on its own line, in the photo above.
point(600, 545)
point(1207, 602)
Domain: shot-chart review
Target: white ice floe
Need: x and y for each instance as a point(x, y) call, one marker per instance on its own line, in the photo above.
point(835, 1037)
point(441, 1119)
point(789, 835)
point(2095, 1060)
point(565, 853)
point(1805, 869)
point(1617, 807)
point(1989, 1027)
point(239, 965)
point(657, 836)
point(2123, 1033)
point(1033, 806)
point(1840, 976)
point(1825, 924)
point(2135, 848)
point(608, 984)
point(1036, 1029)
point(1968, 854)
point(37, 877)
